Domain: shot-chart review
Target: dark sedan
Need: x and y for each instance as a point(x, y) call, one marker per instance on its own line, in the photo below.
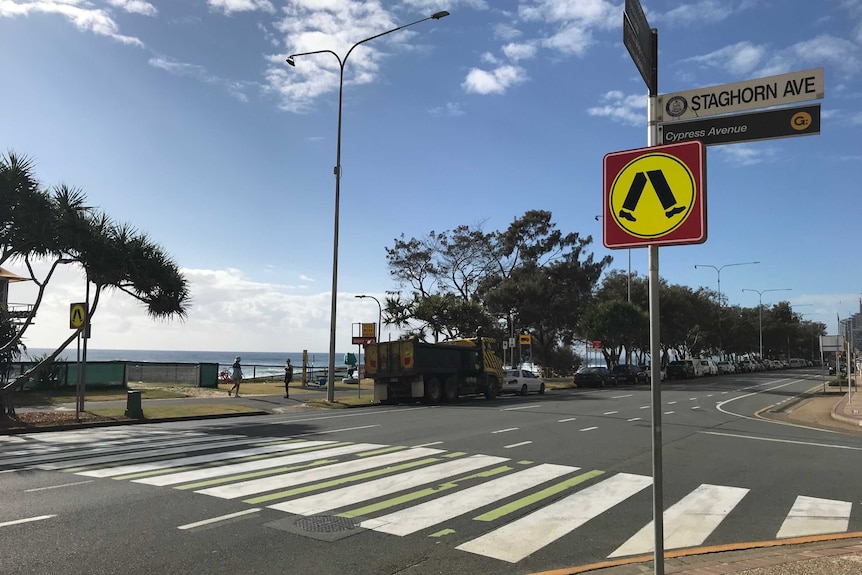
point(594, 377)
point(629, 374)
point(680, 370)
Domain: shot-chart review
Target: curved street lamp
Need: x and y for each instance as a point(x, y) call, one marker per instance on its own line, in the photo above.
point(760, 311)
point(330, 388)
point(718, 273)
point(379, 314)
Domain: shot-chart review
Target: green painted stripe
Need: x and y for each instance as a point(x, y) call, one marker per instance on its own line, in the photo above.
point(254, 474)
point(382, 451)
point(525, 462)
point(151, 473)
point(442, 533)
point(428, 491)
point(538, 496)
point(455, 454)
point(341, 481)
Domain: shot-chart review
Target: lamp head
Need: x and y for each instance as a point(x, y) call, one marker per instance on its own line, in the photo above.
point(361, 296)
point(290, 61)
point(597, 218)
point(441, 14)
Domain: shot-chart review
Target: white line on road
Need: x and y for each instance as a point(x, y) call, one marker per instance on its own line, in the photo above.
point(669, 412)
point(565, 420)
point(720, 406)
point(335, 430)
point(692, 399)
point(644, 407)
point(28, 520)
point(710, 395)
point(610, 412)
point(769, 439)
point(522, 407)
point(58, 486)
point(622, 396)
point(671, 402)
point(428, 444)
point(814, 516)
point(696, 407)
point(517, 444)
point(218, 519)
point(634, 419)
point(505, 430)
point(589, 428)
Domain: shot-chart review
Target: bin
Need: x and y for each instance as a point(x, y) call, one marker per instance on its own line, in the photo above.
point(133, 405)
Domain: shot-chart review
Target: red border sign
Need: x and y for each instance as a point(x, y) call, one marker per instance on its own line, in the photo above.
point(655, 196)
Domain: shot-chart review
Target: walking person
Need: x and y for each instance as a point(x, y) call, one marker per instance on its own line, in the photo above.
point(288, 377)
point(236, 376)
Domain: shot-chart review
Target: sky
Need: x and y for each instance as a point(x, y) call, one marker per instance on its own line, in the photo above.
point(182, 118)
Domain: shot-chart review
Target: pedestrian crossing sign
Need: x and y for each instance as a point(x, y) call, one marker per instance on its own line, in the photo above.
point(77, 315)
point(655, 196)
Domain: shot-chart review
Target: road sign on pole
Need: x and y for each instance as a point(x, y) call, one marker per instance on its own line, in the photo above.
point(638, 40)
point(765, 125)
point(655, 196)
point(77, 315)
point(778, 90)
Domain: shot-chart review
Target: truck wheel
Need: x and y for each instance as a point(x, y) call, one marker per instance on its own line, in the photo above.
point(433, 391)
point(491, 389)
point(450, 390)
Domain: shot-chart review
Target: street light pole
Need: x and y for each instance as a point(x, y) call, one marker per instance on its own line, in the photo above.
point(330, 388)
point(760, 311)
point(718, 273)
point(379, 315)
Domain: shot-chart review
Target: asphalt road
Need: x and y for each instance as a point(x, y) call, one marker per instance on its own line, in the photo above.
point(513, 485)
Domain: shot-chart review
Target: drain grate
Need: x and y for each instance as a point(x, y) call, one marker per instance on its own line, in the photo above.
point(326, 524)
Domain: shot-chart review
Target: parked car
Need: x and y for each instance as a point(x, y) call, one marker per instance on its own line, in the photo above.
point(681, 369)
point(594, 377)
point(647, 369)
point(708, 367)
point(725, 367)
point(627, 373)
point(521, 381)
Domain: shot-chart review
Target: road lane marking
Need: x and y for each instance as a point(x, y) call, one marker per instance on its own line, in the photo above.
point(815, 516)
point(430, 513)
point(669, 412)
point(505, 430)
point(518, 539)
point(610, 412)
point(565, 420)
point(720, 406)
point(692, 399)
point(671, 402)
point(589, 428)
point(336, 430)
point(428, 444)
point(689, 521)
point(522, 407)
point(634, 419)
point(696, 407)
point(347, 496)
point(219, 519)
point(622, 396)
point(791, 441)
point(27, 520)
point(58, 486)
point(644, 407)
point(319, 474)
point(517, 444)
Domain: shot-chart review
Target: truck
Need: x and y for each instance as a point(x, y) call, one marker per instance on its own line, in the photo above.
point(411, 369)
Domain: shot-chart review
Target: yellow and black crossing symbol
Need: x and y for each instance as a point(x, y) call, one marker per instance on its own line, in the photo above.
point(658, 213)
point(655, 196)
point(77, 315)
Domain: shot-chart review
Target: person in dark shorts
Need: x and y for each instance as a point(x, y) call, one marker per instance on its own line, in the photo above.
point(288, 377)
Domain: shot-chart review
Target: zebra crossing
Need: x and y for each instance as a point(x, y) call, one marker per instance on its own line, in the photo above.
point(514, 508)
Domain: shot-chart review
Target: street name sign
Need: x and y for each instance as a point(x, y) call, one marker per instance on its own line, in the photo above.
point(637, 38)
point(765, 125)
point(791, 88)
point(655, 196)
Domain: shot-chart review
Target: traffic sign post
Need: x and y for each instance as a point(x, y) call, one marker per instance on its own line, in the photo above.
point(778, 90)
point(77, 315)
point(766, 125)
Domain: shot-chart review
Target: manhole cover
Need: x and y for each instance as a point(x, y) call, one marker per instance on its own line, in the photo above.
point(326, 524)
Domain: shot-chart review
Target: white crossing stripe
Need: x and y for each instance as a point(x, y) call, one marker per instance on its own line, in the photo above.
point(139, 454)
point(351, 495)
point(814, 516)
point(27, 520)
point(193, 475)
point(689, 521)
point(292, 479)
point(219, 519)
point(425, 515)
point(184, 461)
point(520, 538)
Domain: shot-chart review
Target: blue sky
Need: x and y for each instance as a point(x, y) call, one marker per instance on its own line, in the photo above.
point(182, 118)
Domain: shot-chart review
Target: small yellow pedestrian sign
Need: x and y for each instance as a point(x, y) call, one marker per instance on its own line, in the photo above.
point(655, 196)
point(77, 315)
point(524, 339)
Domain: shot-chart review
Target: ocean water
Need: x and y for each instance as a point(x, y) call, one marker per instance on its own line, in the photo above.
point(254, 364)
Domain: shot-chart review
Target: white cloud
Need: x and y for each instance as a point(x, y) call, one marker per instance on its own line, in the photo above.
point(740, 58)
point(228, 312)
point(135, 7)
point(431, 6)
point(234, 88)
point(703, 12)
point(517, 52)
point(586, 12)
point(452, 109)
point(80, 13)
point(496, 81)
point(489, 58)
point(506, 32)
point(747, 154)
point(573, 38)
point(231, 6)
point(630, 110)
